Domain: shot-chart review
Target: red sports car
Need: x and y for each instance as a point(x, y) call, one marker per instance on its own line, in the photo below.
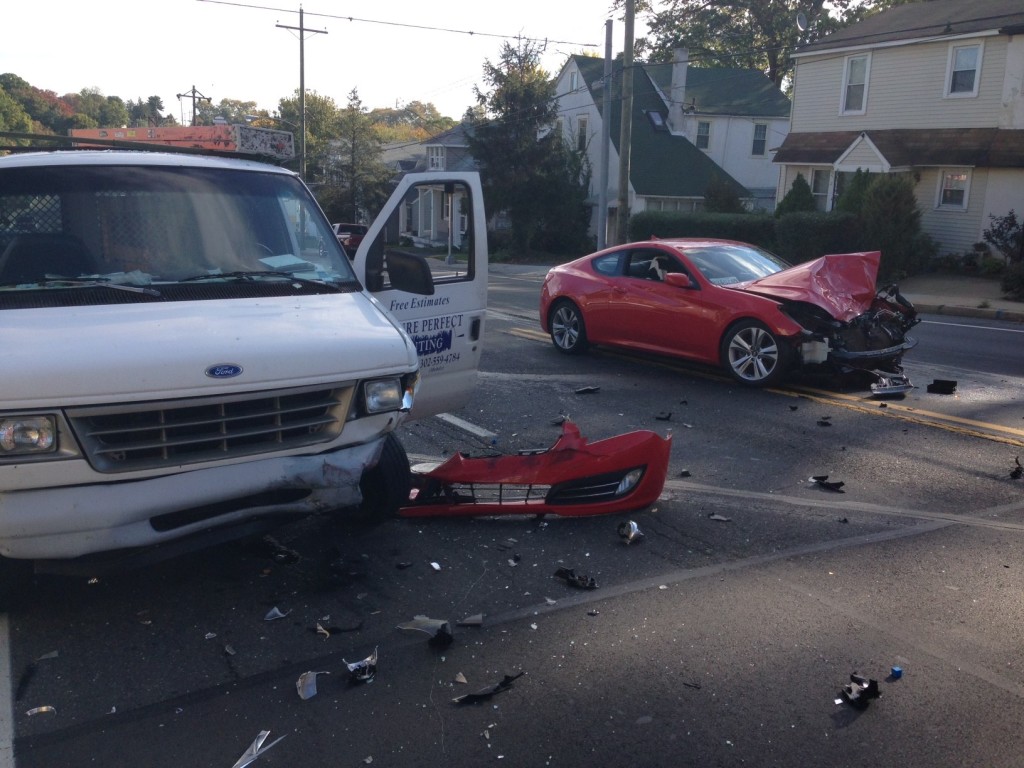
point(732, 304)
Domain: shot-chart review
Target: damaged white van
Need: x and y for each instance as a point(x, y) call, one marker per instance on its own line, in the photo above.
point(188, 352)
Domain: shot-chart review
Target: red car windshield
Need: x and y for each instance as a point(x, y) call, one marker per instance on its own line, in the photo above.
point(726, 264)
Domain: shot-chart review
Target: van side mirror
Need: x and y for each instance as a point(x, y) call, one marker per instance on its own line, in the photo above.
point(678, 280)
point(409, 273)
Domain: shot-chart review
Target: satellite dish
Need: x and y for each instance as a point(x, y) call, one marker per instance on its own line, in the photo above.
point(801, 21)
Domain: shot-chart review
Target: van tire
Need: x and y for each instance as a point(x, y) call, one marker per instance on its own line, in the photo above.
point(386, 487)
point(16, 581)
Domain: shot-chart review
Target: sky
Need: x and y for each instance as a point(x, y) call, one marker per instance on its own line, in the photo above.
point(393, 52)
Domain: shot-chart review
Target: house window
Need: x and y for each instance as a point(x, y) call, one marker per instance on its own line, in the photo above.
point(703, 135)
point(574, 80)
point(760, 137)
point(954, 186)
point(855, 85)
point(819, 187)
point(964, 68)
point(581, 137)
point(435, 158)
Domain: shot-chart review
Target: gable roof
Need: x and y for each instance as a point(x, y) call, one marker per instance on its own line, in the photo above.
point(661, 164)
point(921, 20)
point(906, 147)
point(725, 90)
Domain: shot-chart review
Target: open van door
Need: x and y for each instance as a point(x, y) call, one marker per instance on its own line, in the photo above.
point(425, 259)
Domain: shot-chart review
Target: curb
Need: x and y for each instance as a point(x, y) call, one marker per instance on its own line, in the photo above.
point(1010, 315)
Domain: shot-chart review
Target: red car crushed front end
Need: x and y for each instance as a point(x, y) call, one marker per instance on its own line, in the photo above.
point(573, 477)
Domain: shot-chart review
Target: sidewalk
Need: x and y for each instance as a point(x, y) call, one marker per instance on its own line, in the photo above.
point(961, 295)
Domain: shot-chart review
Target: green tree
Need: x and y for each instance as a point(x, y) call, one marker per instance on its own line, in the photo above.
point(518, 169)
point(852, 198)
point(146, 113)
point(752, 34)
point(722, 197)
point(892, 224)
point(12, 116)
point(799, 198)
point(356, 172)
point(233, 111)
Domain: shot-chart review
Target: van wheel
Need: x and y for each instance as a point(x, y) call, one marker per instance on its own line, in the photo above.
point(16, 577)
point(386, 487)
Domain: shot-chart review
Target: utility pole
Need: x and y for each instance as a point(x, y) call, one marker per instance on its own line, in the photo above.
point(606, 140)
point(626, 125)
point(301, 29)
point(196, 96)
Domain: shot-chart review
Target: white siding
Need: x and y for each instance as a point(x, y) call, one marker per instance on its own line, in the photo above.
point(1004, 193)
point(906, 90)
point(955, 230)
point(732, 141)
point(863, 156)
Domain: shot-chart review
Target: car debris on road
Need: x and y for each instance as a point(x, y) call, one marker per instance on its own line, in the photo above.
point(574, 477)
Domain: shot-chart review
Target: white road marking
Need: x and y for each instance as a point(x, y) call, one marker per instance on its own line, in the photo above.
point(466, 426)
point(975, 327)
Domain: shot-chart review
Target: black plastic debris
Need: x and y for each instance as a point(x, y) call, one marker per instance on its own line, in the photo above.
point(822, 481)
point(793, 407)
point(1018, 471)
point(486, 693)
point(684, 473)
point(256, 749)
point(630, 532)
point(942, 387)
point(476, 620)
point(859, 691)
point(403, 565)
point(664, 416)
point(558, 421)
point(362, 671)
point(824, 422)
point(574, 580)
point(588, 390)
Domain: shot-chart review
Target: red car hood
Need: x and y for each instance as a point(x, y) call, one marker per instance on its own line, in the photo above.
point(841, 284)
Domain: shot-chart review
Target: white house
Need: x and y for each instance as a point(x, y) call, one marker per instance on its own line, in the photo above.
point(689, 126)
point(931, 89)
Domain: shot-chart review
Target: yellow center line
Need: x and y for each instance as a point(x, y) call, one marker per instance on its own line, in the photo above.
point(892, 410)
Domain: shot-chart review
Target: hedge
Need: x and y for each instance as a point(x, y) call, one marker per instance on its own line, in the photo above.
point(756, 229)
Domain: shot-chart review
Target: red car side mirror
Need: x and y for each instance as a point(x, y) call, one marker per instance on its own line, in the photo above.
point(678, 280)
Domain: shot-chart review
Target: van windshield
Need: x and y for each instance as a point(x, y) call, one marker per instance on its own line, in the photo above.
point(148, 225)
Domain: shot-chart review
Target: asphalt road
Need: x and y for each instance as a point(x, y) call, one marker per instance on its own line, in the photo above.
point(721, 638)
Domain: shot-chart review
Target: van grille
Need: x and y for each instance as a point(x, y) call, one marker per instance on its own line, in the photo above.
point(167, 433)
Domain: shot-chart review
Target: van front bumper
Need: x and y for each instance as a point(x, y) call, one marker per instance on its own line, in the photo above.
point(72, 521)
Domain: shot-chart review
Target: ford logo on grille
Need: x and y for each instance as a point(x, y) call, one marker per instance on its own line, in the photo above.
point(223, 371)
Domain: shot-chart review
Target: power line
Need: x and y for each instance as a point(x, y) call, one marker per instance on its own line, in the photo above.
point(471, 33)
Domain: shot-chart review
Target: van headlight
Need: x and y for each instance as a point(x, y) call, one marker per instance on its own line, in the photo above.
point(24, 435)
point(381, 395)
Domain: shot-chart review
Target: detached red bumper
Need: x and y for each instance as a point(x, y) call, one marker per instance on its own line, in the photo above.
point(572, 478)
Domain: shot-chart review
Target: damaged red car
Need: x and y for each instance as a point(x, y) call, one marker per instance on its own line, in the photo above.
point(734, 305)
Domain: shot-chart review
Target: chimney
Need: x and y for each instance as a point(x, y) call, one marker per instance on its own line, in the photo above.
point(677, 91)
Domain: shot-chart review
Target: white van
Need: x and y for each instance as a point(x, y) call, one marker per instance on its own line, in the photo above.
point(189, 354)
